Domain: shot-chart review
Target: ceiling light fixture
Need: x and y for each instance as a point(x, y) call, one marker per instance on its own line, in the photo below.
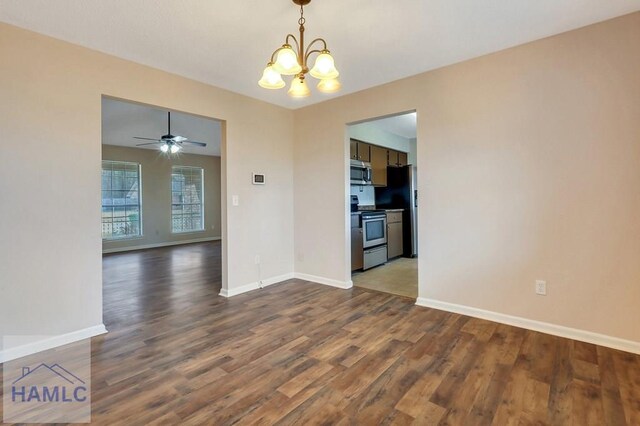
point(170, 147)
point(287, 61)
point(169, 143)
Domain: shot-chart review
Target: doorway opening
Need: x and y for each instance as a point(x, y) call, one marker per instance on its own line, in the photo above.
point(161, 208)
point(383, 204)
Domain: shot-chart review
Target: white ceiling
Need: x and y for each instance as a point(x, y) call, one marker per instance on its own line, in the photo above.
point(404, 125)
point(227, 44)
point(121, 121)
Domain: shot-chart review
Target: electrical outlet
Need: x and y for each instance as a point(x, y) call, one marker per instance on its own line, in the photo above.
point(235, 200)
point(257, 259)
point(541, 287)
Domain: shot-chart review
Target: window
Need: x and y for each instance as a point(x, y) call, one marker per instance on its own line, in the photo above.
point(121, 204)
point(187, 205)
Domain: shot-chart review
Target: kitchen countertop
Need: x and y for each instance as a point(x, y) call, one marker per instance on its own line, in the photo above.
point(386, 210)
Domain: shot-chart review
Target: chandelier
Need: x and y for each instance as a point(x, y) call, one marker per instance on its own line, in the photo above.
point(287, 61)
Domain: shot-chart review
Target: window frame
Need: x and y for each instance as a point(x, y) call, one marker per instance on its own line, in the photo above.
point(140, 224)
point(202, 200)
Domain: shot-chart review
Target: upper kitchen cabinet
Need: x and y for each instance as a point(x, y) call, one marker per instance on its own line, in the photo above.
point(402, 159)
point(360, 150)
point(397, 158)
point(378, 165)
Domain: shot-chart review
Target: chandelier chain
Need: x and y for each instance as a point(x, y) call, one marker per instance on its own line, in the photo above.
point(301, 21)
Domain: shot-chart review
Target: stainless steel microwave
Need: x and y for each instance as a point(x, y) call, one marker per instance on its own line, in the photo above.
point(360, 173)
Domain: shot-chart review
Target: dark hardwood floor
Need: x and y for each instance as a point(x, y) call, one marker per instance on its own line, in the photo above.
point(302, 353)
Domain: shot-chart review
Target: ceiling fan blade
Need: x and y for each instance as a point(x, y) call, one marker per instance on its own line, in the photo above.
point(148, 143)
point(147, 139)
point(178, 139)
point(202, 144)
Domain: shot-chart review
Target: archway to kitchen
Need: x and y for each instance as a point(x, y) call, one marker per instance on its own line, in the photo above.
point(383, 205)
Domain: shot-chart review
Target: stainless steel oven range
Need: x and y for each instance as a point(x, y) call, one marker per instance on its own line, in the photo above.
point(374, 235)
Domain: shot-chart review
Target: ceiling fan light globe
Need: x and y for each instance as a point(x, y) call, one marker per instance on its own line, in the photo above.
point(299, 88)
point(330, 85)
point(174, 149)
point(271, 79)
point(164, 147)
point(324, 67)
point(287, 61)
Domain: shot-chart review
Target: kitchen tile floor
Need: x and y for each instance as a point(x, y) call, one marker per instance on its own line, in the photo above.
point(399, 276)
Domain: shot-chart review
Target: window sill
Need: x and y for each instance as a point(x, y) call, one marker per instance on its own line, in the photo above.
point(115, 240)
point(188, 232)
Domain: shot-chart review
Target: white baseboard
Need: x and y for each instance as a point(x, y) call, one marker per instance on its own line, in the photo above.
point(255, 285)
point(274, 280)
point(345, 285)
point(157, 245)
point(50, 343)
point(543, 327)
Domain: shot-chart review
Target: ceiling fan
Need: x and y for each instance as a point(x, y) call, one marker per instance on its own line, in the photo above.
point(169, 142)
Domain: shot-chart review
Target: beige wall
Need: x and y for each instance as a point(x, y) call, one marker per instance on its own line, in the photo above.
point(156, 195)
point(529, 169)
point(50, 115)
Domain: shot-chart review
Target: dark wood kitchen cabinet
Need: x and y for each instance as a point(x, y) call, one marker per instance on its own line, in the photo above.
point(357, 254)
point(353, 147)
point(378, 165)
point(360, 150)
point(379, 157)
point(402, 159)
point(394, 234)
point(397, 158)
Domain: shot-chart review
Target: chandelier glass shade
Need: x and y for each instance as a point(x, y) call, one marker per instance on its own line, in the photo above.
point(289, 61)
point(271, 79)
point(324, 68)
point(299, 88)
point(330, 85)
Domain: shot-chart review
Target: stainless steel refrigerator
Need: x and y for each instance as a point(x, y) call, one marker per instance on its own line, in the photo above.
point(401, 193)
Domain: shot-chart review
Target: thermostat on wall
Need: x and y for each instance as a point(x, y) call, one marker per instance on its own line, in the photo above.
point(258, 178)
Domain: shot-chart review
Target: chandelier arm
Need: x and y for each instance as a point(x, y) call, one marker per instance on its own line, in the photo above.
point(309, 51)
point(321, 40)
point(275, 52)
point(273, 55)
point(306, 56)
point(289, 36)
